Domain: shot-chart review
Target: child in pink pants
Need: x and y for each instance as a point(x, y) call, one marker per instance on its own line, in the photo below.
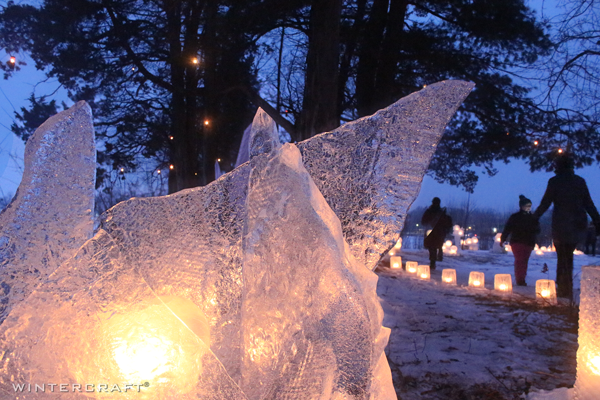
point(523, 228)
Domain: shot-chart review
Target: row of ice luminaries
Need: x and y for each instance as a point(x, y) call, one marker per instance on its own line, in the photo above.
point(545, 289)
point(412, 267)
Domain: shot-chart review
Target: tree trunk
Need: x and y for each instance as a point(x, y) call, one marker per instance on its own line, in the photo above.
point(319, 108)
point(369, 56)
point(350, 45)
point(385, 84)
point(209, 120)
point(191, 168)
point(177, 153)
point(379, 56)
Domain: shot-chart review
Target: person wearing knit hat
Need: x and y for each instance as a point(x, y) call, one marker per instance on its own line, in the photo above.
point(522, 227)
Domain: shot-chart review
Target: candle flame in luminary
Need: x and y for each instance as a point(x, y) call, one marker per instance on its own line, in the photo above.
point(448, 280)
point(423, 276)
point(395, 265)
point(476, 283)
point(162, 344)
point(412, 270)
point(594, 364)
point(143, 358)
point(545, 293)
point(502, 286)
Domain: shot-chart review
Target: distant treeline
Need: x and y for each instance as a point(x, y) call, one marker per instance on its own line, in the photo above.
point(476, 221)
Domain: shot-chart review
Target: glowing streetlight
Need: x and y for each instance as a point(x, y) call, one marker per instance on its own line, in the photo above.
point(171, 166)
point(13, 60)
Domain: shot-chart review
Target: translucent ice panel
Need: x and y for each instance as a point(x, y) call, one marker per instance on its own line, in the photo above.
point(311, 320)
point(587, 385)
point(97, 327)
point(50, 216)
point(370, 170)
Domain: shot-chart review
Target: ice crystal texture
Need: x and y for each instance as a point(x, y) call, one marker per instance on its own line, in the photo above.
point(247, 287)
point(50, 216)
point(311, 321)
point(370, 170)
point(587, 384)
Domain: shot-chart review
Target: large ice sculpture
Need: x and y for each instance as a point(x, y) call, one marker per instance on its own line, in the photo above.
point(254, 265)
point(50, 216)
point(587, 385)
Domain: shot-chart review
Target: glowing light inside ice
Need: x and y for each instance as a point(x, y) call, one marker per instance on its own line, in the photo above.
point(594, 364)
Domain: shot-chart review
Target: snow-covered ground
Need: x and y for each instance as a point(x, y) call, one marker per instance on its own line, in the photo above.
point(461, 343)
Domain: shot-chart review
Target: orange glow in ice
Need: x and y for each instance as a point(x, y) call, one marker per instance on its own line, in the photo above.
point(161, 343)
point(594, 364)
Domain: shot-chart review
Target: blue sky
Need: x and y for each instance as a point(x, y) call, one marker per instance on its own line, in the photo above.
point(499, 192)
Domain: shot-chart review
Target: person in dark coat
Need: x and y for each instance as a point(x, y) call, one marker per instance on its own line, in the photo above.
point(590, 240)
point(572, 200)
point(440, 224)
point(522, 227)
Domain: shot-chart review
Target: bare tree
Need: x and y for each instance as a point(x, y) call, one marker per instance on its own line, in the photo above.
point(573, 79)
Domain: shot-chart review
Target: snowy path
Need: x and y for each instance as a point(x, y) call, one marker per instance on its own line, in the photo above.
point(458, 343)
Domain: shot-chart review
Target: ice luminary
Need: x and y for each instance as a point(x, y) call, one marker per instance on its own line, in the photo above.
point(587, 383)
point(453, 250)
point(449, 276)
point(150, 344)
point(545, 291)
point(503, 283)
point(395, 262)
point(423, 272)
point(476, 279)
point(411, 267)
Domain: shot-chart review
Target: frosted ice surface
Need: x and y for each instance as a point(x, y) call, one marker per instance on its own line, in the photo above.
point(263, 134)
point(370, 170)
point(97, 322)
point(311, 320)
point(188, 250)
point(243, 152)
point(50, 216)
point(587, 384)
